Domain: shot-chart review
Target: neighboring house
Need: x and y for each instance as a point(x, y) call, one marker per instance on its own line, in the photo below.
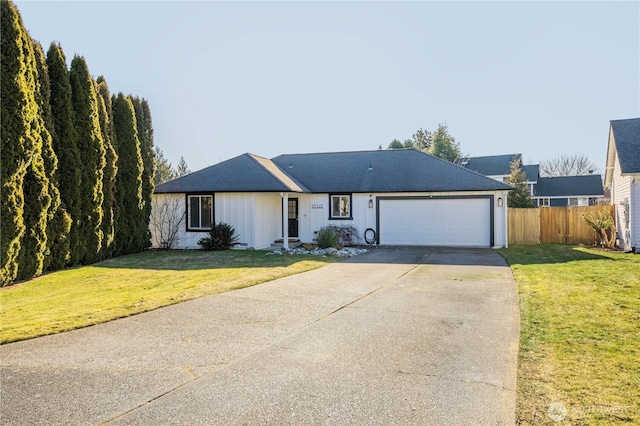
point(406, 196)
point(545, 191)
point(498, 167)
point(583, 190)
point(622, 178)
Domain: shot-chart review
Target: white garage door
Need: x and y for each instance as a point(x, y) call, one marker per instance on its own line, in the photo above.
point(436, 222)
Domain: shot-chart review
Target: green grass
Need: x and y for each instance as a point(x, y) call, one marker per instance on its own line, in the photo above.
point(128, 285)
point(580, 334)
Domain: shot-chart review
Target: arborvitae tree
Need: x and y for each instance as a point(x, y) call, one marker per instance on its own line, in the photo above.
point(22, 129)
point(443, 145)
point(521, 196)
point(129, 178)
point(65, 146)
point(92, 156)
point(145, 135)
point(164, 169)
point(111, 167)
point(37, 201)
point(58, 220)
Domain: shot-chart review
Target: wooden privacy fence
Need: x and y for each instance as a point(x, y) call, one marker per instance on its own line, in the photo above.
point(552, 225)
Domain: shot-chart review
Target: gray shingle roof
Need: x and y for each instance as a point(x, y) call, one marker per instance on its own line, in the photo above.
point(532, 171)
point(627, 137)
point(491, 165)
point(569, 186)
point(245, 173)
point(499, 165)
point(391, 171)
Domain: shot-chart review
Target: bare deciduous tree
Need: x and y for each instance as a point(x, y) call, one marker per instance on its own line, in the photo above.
point(603, 224)
point(166, 220)
point(567, 165)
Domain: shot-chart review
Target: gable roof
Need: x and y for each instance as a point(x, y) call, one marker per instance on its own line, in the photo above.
point(569, 186)
point(627, 139)
point(359, 171)
point(401, 170)
point(245, 173)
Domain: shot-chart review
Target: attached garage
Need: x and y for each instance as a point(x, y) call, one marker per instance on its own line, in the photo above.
point(436, 221)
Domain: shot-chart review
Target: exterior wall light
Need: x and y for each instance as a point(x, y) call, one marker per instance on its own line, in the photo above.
point(370, 203)
point(499, 201)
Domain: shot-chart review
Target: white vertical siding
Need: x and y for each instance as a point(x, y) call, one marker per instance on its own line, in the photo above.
point(161, 206)
point(634, 211)
point(621, 191)
point(313, 214)
point(500, 220)
point(237, 209)
point(267, 214)
point(176, 203)
point(314, 211)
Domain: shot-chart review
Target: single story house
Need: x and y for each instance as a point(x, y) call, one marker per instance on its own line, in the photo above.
point(391, 197)
point(622, 178)
point(498, 167)
point(583, 190)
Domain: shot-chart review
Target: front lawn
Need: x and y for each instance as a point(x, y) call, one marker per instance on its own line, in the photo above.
point(580, 335)
point(128, 285)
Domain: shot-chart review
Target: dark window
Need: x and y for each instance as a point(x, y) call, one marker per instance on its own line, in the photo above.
point(200, 212)
point(340, 206)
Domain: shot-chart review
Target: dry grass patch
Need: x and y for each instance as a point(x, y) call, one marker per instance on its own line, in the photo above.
point(580, 334)
point(128, 285)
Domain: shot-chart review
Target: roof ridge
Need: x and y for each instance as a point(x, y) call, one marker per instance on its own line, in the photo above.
point(277, 173)
point(347, 152)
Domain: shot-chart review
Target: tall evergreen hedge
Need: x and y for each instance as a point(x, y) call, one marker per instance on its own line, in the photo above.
point(92, 158)
point(109, 206)
point(129, 178)
point(21, 130)
point(58, 220)
point(77, 167)
point(64, 137)
point(145, 135)
point(36, 186)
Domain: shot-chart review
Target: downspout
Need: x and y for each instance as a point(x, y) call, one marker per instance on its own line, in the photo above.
point(285, 220)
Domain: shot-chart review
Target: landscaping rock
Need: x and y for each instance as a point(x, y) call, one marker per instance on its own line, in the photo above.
point(344, 252)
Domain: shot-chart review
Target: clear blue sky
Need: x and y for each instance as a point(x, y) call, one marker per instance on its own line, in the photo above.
point(225, 78)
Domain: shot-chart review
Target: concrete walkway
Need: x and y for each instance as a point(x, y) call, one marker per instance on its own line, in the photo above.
point(396, 336)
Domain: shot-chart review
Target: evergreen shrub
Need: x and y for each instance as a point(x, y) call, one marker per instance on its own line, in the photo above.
point(222, 236)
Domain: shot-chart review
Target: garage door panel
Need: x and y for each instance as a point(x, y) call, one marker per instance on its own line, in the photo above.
point(441, 222)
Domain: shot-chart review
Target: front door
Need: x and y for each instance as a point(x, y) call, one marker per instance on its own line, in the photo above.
point(292, 215)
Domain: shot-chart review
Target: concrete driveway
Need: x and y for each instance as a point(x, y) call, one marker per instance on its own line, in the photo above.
point(396, 336)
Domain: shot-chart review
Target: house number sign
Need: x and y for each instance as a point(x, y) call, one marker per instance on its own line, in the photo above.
point(317, 206)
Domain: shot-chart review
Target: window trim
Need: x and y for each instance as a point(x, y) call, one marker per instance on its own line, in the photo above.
point(340, 194)
point(188, 198)
point(542, 202)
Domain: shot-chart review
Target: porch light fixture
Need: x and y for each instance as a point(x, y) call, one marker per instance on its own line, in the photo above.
point(370, 203)
point(499, 201)
point(370, 168)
